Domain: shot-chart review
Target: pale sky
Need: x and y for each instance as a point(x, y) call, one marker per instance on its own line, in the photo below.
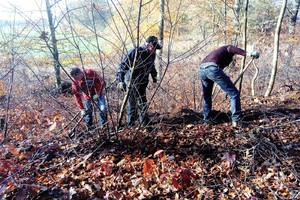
point(31, 8)
point(28, 7)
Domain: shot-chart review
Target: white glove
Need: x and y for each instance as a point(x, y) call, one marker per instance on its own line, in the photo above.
point(122, 86)
point(95, 97)
point(83, 113)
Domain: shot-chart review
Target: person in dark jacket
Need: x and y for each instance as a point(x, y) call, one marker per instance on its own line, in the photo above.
point(87, 84)
point(142, 65)
point(211, 71)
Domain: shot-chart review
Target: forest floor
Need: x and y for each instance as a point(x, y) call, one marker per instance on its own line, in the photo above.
point(176, 157)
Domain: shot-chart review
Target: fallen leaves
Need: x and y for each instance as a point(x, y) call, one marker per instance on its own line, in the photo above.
point(175, 161)
point(148, 167)
point(12, 149)
point(229, 157)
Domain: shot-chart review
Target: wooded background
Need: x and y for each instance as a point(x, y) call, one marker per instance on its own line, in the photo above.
point(38, 52)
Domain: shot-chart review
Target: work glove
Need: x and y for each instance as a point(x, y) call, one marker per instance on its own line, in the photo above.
point(96, 97)
point(255, 54)
point(82, 113)
point(121, 86)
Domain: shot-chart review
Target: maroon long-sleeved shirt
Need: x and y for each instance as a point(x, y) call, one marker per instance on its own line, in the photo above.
point(91, 84)
point(223, 55)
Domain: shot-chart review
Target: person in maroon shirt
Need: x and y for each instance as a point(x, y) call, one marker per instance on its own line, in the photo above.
point(211, 71)
point(89, 86)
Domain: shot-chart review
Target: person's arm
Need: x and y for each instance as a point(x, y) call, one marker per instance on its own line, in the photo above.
point(77, 96)
point(235, 50)
point(153, 73)
point(125, 65)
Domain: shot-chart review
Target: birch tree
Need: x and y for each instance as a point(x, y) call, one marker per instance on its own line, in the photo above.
point(276, 49)
point(161, 35)
point(244, 41)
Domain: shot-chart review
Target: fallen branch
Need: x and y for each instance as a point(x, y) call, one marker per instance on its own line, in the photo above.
point(277, 126)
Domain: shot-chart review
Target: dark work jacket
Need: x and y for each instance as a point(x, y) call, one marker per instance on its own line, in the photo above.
point(223, 55)
point(144, 66)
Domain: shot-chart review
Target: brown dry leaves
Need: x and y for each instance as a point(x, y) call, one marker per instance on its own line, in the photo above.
point(176, 161)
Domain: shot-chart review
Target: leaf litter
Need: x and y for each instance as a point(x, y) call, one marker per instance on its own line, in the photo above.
point(179, 157)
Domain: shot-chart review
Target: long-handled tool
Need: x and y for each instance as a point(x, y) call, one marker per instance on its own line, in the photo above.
point(240, 75)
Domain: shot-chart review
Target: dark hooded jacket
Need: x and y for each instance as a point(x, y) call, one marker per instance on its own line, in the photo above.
point(144, 65)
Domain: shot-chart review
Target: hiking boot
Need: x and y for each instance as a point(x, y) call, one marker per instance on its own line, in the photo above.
point(241, 124)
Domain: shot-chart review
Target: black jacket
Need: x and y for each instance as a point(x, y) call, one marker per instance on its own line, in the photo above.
point(144, 65)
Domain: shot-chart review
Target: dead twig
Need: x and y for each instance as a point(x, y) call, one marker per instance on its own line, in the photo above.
point(277, 126)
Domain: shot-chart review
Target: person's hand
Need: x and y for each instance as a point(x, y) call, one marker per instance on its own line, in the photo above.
point(121, 86)
point(96, 97)
point(82, 113)
point(255, 54)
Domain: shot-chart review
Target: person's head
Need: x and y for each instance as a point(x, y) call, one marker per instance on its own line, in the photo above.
point(76, 73)
point(152, 44)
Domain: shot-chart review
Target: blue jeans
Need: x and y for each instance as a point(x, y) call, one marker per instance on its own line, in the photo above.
point(101, 105)
point(137, 105)
point(210, 73)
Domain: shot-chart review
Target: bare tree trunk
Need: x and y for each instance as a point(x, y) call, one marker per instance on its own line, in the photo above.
point(276, 49)
point(237, 9)
point(237, 12)
point(161, 35)
point(54, 49)
point(244, 42)
point(225, 21)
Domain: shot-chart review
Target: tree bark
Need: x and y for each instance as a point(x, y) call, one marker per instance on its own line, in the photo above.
point(225, 21)
point(161, 36)
point(276, 49)
point(53, 48)
point(237, 12)
point(244, 42)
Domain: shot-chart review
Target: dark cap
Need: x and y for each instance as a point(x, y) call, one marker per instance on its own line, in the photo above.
point(75, 71)
point(154, 41)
